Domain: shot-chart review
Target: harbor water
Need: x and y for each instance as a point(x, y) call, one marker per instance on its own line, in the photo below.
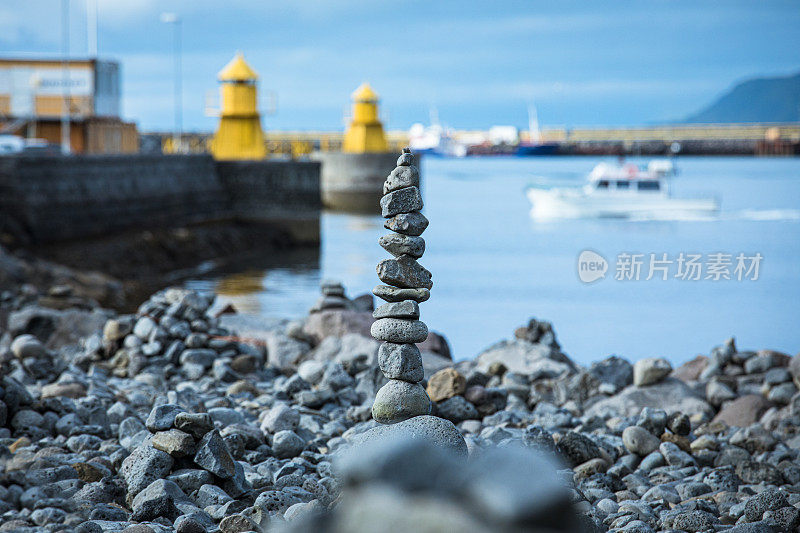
point(494, 267)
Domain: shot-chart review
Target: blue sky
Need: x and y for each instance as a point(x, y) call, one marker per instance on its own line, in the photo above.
point(479, 63)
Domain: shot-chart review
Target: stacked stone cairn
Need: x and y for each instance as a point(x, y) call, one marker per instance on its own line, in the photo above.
point(408, 283)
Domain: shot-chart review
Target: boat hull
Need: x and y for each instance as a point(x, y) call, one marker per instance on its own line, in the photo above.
point(548, 204)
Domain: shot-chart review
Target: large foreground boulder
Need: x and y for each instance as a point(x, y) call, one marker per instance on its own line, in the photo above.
point(437, 431)
point(671, 395)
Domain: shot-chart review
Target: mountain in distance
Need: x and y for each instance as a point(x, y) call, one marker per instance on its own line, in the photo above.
point(756, 100)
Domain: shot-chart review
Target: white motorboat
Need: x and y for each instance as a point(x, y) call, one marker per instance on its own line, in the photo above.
point(626, 191)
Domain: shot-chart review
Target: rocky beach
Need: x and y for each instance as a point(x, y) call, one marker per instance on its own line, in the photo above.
point(185, 417)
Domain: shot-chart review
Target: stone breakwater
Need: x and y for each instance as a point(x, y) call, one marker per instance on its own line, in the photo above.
point(178, 418)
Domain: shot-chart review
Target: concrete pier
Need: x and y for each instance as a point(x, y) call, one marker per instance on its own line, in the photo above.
point(354, 182)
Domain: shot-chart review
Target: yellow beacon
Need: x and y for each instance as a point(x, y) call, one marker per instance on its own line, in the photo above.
point(365, 132)
point(239, 135)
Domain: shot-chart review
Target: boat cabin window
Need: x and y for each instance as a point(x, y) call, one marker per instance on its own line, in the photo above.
point(602, 184)
point(648, 185)
point(621, 184)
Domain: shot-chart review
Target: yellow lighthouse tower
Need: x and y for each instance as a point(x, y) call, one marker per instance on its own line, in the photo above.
point(365, 132)
point(239, 135)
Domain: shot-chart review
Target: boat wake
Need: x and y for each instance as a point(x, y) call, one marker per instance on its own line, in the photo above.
point(745, 214)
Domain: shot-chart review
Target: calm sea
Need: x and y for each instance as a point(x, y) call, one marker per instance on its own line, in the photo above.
point(494, 267)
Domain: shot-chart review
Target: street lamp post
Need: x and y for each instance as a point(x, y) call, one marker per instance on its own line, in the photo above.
point(66, 147)
point(172, 18)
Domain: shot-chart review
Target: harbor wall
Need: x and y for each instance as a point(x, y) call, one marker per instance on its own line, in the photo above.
point(55, 198)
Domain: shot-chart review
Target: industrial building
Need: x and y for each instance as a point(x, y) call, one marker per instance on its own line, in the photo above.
point(33, 93)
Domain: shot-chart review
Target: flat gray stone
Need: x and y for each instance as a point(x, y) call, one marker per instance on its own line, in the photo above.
point(395, 294)
point(399, 330)
point(400, 400)
point(404, 272)
point(401, 201)
point(400, 178)
point(398, 245)
point(404, 309)
point(197, 424)
point(162, 417)
point(407, 223)
point(401, 361)
point(437, 431)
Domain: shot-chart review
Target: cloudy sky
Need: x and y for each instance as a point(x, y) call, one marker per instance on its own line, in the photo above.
point(478, 63)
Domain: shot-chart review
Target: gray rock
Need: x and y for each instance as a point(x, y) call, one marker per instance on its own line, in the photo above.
point(404, 272)
point(401, 361)
point(577, 448)
point(437, 431)
point(158, 500)
point(404, 309)
point(162, 417)
point(407, 223)
point(718, 392)
point(406, 159)
point(639, 441)
point(399, 331)
point(782, 394)
point(287, 444)
point(769, 500)
point(196, 424)
point(650, 370)
point(280, 418)
point(398, 245)
point(143, 466)
point(613, 370)
point(394, 294)
point(399, 400)
point(144, 327)
point(213, 455)
point(522, 357)
point(25, 346)
point(675, 456)
point(653, 420)
point(405, 200)
point(695, 521)
point(457, 409)
point(175, 442)
point(671, 394)
point(401, 177)
point(204, 357)
point(211, 495)
point(283, 351)
point(190, 479)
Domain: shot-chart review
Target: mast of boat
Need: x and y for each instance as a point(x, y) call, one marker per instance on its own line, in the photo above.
point(534, 135)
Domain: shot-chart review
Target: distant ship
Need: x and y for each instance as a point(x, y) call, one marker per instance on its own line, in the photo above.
point(534, 146)
point(434, 139)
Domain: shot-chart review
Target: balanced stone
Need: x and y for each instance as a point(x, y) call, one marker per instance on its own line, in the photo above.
point(401, 201)
point(400, 178)
point(407, 223)
point(399, 330)
point(404, 309)
point(404, 272)
point(406, 159)
point(400, 400)
point(400, 361)
point(394, 294)
point(398, 245)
